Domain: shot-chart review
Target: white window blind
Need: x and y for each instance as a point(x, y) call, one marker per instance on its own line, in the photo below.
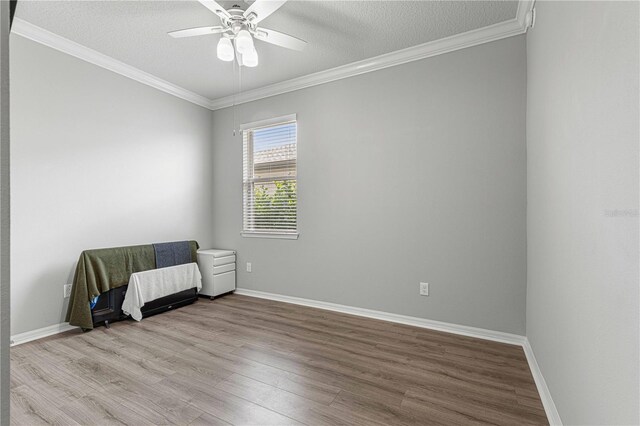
point(270, 178)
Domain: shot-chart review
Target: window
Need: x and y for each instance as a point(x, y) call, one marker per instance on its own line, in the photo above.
point(270, 178)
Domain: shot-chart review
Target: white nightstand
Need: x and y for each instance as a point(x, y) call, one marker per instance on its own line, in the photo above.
point(218, 268)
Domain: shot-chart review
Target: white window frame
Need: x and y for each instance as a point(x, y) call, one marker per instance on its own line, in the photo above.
point(251, 126)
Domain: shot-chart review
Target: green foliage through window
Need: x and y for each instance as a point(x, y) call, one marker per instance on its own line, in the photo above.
point(275, 205)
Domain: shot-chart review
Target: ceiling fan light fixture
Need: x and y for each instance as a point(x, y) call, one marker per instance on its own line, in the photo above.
point(225, 50)
point(250, 59)
point(239, 27)
point(244, 42)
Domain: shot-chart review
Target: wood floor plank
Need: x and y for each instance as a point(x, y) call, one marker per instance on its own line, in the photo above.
point(241, 360)
point(264, 395)
point(239, 411)
point(101, 409)
point(163, 404)
point(298, 384)
point(286, 403)
point(27, 373)
point(326, 371)
point(207, 419)
point(44, 352)
point(375, 410)
point(493, 413)
point(29, 408)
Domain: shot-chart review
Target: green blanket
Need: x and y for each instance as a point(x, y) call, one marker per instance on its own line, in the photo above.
point(101, 270)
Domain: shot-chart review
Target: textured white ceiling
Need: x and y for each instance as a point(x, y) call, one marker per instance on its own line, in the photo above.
point(338, 33)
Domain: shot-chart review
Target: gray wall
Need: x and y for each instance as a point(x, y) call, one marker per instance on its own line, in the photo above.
point(97, 160)
point(4, 215)
point(582, 162)
point(412, 173)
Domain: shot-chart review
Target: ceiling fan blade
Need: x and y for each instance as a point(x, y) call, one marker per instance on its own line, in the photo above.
point(213, 6)
point(280, 39)
point(191, 32)
point(260, 9)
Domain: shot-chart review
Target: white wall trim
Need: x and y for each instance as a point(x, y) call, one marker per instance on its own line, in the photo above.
point(481, 333)
point(289, 118)
point(524, 7)
point(545, 396)
point(29, 336)
point(498, 31)
point(471, 38)
point(54, 41)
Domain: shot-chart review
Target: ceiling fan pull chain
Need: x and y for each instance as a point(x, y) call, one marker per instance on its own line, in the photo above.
point(235, 95)
point(239, 92)
point(234, 105)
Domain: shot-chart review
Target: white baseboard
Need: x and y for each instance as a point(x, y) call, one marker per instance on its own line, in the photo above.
point(29, 336)
point(545, 396)
point(481, 333)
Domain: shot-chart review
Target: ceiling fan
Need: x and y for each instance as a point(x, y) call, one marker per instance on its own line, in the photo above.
point(239, 27)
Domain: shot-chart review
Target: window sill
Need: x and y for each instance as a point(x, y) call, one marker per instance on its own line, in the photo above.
point(270, 235)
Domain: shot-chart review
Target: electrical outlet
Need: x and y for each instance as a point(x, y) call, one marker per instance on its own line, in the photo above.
point(248, 266)
point(67, 290)
point(424, 289)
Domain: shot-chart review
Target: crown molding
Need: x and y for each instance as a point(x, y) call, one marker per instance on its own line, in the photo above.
point(487, 34)
point(524, 8)
point(512, 27)
point(54, 41)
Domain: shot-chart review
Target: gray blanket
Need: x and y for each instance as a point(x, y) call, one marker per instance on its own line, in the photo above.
point(172, 254)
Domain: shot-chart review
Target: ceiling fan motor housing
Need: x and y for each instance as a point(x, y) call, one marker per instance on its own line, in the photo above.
point(237, 21)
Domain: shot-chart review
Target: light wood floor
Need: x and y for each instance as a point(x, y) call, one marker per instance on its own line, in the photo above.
point(241, 360)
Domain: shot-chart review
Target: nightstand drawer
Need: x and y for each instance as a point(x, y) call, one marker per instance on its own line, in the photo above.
point(224, 268)
point(217, 261)
point(224, 283)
